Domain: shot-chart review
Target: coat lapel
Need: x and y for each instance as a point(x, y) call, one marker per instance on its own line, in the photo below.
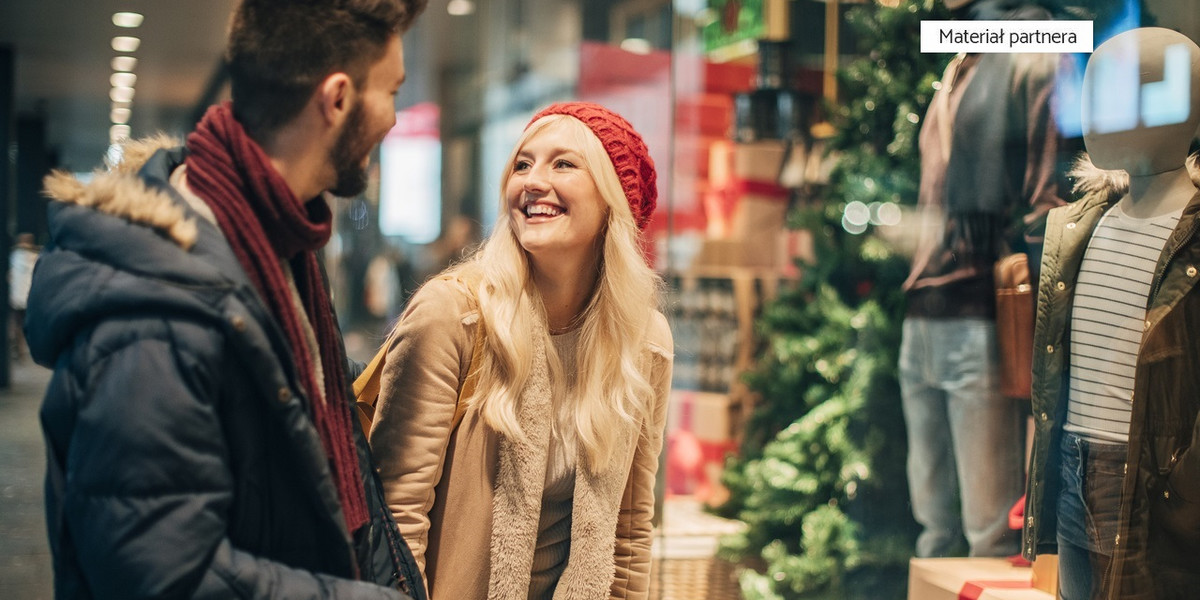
point(597, 503)
point(517, 498)
point(517, 503)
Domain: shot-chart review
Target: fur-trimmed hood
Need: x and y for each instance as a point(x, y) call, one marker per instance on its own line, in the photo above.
point(125, 241)
point(1109, 186)
point(121, 193)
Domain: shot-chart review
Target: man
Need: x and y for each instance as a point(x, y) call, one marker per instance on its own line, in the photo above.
point(989, 147)
point(200, 437)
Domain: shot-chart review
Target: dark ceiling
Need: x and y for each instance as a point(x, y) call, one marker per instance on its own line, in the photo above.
point(64, 61)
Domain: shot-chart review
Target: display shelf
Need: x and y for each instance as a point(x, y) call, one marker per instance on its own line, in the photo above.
point(712, 310)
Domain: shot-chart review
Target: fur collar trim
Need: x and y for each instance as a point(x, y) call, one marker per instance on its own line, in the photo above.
point(1091, 181)
point(119, 192)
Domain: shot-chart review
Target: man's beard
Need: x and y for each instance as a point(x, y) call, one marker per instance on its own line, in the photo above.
point(347, 156)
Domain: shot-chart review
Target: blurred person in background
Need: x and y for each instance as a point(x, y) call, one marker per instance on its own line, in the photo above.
point(450, 247)
point(200, 439)
point(21, 261)
point(989, 149)
point(524, 395)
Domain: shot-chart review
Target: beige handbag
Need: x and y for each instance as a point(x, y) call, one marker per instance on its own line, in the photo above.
point(1015, 307)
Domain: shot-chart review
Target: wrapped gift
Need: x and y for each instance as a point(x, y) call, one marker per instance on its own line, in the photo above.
point(699, 436)
point(971, 579)
point(1045, 573)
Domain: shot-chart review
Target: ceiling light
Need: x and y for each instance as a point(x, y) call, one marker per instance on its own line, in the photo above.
point(122, 79)
point(460, 8)
point(127, 19)
point(123, 63)
point(115, 152)
point(125, 43)
point(121, 94)
point(117, 133)
point(120, 116)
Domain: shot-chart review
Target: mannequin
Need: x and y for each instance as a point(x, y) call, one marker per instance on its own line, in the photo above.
point(1112, 477)
point(989, 148)
point(1152, 156)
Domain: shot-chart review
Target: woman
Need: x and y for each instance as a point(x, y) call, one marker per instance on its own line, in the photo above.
point(545, 487)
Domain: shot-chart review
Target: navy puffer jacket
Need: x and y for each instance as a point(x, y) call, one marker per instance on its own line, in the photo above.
point(182, 460)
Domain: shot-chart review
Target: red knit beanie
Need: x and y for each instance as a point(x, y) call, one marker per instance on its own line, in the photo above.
point(625, 149)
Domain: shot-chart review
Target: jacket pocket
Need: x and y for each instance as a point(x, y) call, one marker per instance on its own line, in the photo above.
point(1176, 501)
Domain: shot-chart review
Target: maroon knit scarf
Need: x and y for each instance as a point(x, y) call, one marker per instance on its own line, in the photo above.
point(264, 222)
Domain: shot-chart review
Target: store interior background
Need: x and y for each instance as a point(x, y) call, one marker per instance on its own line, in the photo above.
point(477, 69)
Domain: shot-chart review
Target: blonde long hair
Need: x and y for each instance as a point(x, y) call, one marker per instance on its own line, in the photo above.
point(611, 391)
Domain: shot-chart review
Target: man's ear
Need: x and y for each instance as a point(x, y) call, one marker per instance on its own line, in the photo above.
point(334, 97)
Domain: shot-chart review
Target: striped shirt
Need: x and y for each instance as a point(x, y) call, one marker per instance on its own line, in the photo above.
point(1108, 319)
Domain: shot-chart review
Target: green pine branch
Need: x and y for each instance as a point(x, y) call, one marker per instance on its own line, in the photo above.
point(820, 477)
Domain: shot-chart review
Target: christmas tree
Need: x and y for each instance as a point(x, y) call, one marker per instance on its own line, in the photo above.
point(820, 479)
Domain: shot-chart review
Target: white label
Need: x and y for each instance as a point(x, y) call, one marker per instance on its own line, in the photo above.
point(1006, 36)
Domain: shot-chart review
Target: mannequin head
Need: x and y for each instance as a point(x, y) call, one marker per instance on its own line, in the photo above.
point(1141, 101)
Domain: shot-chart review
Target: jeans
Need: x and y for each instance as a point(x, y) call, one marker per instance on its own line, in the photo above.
point(1088, 509)
point(966, 449)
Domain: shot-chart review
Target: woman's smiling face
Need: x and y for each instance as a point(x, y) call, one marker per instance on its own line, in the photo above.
point(554, 204)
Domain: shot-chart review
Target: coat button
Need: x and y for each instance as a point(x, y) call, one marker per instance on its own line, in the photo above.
point(284, 394)
point(1117, 540)
point(1050, 349)
point(239, 324)
point(1044, 416)
point(1166, 495)
point(1070, 226)
point(1191, 271)
point(1061, 286)
point(1029, 521)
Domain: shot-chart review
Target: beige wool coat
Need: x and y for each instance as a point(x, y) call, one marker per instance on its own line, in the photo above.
point(468, 501)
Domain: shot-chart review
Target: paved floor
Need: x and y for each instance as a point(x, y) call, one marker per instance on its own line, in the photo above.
point(25, 572)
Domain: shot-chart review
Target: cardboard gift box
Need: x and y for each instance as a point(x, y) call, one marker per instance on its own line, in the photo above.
point(971, 579)
point(1045, 573)
point(699, 435)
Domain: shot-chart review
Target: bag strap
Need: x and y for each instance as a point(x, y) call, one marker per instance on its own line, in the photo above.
point(366, 388)
point(366, 385)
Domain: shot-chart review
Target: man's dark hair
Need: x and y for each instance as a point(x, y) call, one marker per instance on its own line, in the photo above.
point(279, 50)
